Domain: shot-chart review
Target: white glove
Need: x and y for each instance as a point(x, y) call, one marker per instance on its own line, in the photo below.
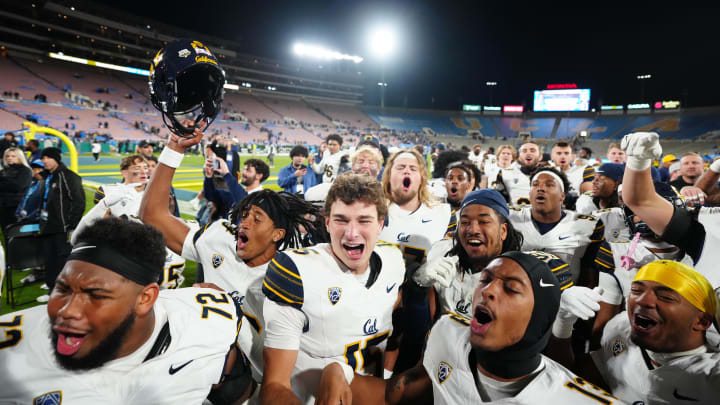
point(576, 302)
point(641, 148)
point(715, 166)
point(114, 198)
point(440, 270)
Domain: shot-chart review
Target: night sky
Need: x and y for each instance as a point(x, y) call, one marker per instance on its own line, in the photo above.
point(449, 49)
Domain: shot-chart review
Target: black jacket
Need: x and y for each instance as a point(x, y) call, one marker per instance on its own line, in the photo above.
point(65, 201)
point(14, 180)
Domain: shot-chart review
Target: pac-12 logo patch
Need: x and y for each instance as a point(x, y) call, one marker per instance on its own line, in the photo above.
point(444, 371)
point(217, 260)
point(334, 294)
point(51, 398)
point(618, 347)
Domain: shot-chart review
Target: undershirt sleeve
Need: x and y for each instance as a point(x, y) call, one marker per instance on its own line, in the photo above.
point(284, 325)
point(685, 232)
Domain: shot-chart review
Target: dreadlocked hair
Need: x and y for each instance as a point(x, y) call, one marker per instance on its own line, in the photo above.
point(288, 212)
point(513, 241)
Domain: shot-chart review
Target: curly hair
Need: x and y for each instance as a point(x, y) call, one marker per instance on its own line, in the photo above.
point(130, 237)
point(288, 212)
point(350, 187)
point(512, 242)
point(260, 167)
point(445, 159)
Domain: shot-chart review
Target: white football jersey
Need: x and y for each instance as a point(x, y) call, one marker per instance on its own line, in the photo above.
point(585, 204)
point(437, 188)
point(416, 231)
point(577, 175)
point(568, 239)
point(329, 166)
point(446, 361)
point(201, 324)
point(214, 247)
point(617, 244)
point(346, 320)
point(632, 376)
point(172, 276)
point(457, 298)
point(516, 183)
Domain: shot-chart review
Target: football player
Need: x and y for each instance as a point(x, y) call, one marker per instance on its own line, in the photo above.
point(660, 351)
point(366, 159)
point(453, 265)
point(114, 337)
point(616, 154)
point(329, 166)
point(234, 253)
point(415, 221)
point(460, 179)
point(604, 192)
point(332, 302)
point(123, 200)
point(546, 226)
point(495, 358)
point(514, 182)
point(579, 177)
point(134, 171)
point(696, 232)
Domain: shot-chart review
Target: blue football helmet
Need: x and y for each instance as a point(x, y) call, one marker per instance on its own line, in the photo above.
point(185, 78)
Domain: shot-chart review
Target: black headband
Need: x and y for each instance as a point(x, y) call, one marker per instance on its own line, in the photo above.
point(277, 214)
point(109, 258)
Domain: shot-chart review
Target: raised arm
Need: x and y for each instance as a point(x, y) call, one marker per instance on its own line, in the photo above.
point(154, 205)
point(638, 191)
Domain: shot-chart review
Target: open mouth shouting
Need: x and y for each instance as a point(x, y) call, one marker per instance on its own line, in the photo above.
point(482, 320)
point(406, 184)
point(354, 250)
point(473, 245)
point(643, 323)
point(453, 192)
point(540, 198)
point(242, 240)
point(69, 341)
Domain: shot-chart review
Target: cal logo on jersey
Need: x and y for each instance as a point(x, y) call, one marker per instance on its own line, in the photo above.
point(334, 294)
point(618, 347)
point(444, 371)
point(217, 260)
point(51, 398)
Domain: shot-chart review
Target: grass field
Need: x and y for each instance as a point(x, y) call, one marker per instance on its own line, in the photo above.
point(189, 178)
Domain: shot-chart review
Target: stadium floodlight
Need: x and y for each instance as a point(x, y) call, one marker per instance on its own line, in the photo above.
point(383, 41)
point(318, 52)
point(644, 77)
point(491, 83)
point(230, 86)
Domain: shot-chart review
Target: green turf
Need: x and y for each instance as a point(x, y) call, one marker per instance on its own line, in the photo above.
point(30, 292)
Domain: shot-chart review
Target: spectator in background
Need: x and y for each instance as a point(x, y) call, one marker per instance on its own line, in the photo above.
point(29, 207)
point(664, 168)
point(219, 187)
point(61, 209)
point(615, 154)
point(329, 166)
point(34, 147)
point(96, 149)
point(145, 148)
point(256, 171)
point(295, 177)
point(272, 150)
point(8, 142)
point(691, 167)
point(15, 178)
point(674, 171)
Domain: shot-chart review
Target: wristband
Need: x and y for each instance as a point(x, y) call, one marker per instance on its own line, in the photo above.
point(563, 329)
point(348, 371)
point(170, 158)
point(715, 166)
point(387, 374)
point(637, 163)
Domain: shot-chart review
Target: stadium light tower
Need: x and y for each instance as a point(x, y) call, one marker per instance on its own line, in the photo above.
point(490, 87)
point(383, 41)
point(642, 79)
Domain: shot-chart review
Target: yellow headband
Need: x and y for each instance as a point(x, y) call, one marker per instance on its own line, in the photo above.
point(683, 279)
